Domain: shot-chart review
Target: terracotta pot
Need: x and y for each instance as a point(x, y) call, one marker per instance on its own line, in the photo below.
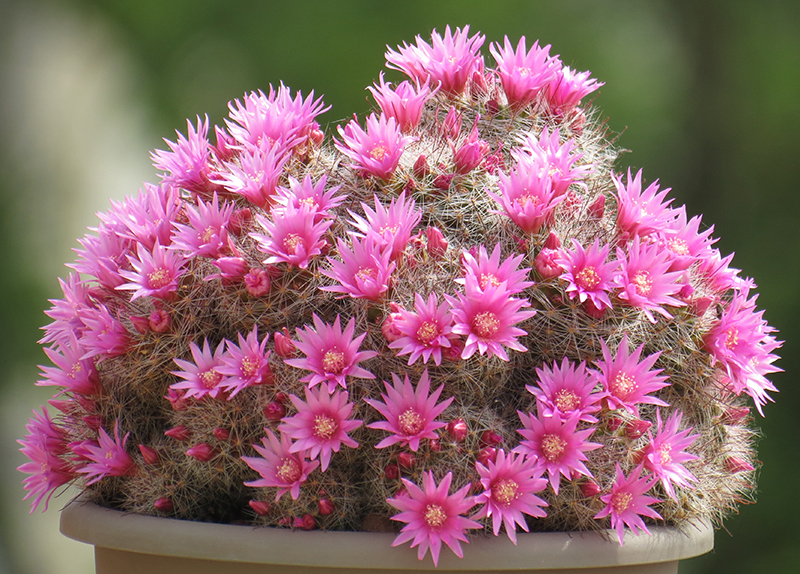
point(127, 543)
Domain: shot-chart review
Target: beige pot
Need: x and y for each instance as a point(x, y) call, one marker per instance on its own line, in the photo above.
point(130, 543)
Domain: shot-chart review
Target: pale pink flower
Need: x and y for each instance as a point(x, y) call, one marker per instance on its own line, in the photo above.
point(42, 445)
point(410, 413)
point(312, 194)
point(483, 270)
point(202, 377)
point(364, 272)
point(72, 369)
point(568, 87)
point(404, 103)
point(104, 336)
point(390, 225)
point(628, 381)
point(156, 273)
point(448, 61)
point(488, 321)
point(66, 312)
point(627, 503)
point(558, 160)
point(278, 466)
point(255, 174)
point(147, 218)
point(565, 391)
point(321, 424)
point(433, 516)
point(377, 150)
point(331, 355)
point(665, 454)
point(245, 364)
point(641, 212)
point(206, 234)
point(424, 331)
point(103, 256)
point(108, 457)
point(588, 273)
point(556, 445)
point(292, 236)
point(524, 73)
point(509, 483)
point(188, 161)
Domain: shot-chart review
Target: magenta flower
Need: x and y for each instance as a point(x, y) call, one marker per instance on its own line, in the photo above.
point(377, 150)
point(588, 273)
point(321, 425)
point(364, 272)
point(255, 174)
point(404, 103)
point(245, 364)
point(206, 234)
point(566, 391)
point(448, 61)
point(278, 466)
point(108, 458)
point(147, 218)
point(292, 236)
point(524, 73)
point(66, 312)
point(483, 270)
point(188, 161)
point(471, 152)
point(202, 377)
point(331, 355)
point(644, 279)
point(42, 446)
point(684, 241)
point(388, 226)
point(155, 274)
point(627, 503)
point(410, 413)
point(568, 87)
point(641, 212)
point(310, 194)
point(72, 369)
point(104, 336)
point(556, 445)
point(554, 158)
point(626, 380)
point(425, 331)
point(665, 453)
point(509, 483)
point(433, 516)
point(488, 321)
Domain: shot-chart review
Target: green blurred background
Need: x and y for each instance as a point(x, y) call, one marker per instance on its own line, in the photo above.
point(705, 93)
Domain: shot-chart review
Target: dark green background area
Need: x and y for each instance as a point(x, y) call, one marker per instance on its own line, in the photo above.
point(706, 94)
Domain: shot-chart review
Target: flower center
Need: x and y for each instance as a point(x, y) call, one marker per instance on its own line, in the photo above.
point(367, 273)
point(410, 422)
point(623, 386)
point(109, 455)
point(324, 427)
point(665, 453)
point(678, 246)
point(553, 446)
point(210, 378)
point(642, 282)
point(621, 501)
point(310, 202)
point(488, 279)
point(485, 324)
point(732, 338)
point(566, 400)
point(505, 491)
point(293, 243)
point(158, 278)
point(588, 278)
point(378, 152)
point(289, 470)
point(333, 362)
point(76, 369)
point(528, 196)
point(249, 366)
point(206, 236)
point(427, 332)
point(435, 516)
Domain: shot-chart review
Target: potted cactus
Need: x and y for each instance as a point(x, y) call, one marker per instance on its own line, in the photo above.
point(455, 320)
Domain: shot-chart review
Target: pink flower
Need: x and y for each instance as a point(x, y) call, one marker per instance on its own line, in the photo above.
point(424, 331)
point(104, 335)
point(278, 466)
point(148, 217)
point(310, 194)
point(485, 270)
point(403, 103)
point(72, 369)
point(645, 281)
point(627, 503)
point(321, 424)
point(641, 212)
point(202, 377)
point(331, 355)
point(245, 364)
point(188, 161)
point(568, 87)
point(557, 447)
point(524, 73)
point(102, 256)
point(509, 483)
point(377, 150)
point(108, 458)
point(554, 158)
point(410, 413)
point(666, 453)
point(42, 446)
point(155, 274)
point(292, 236)
point(388, 226)
point(450, 61)
point(684, 241)
point(565, 391)
point(255, 174)
point(206, 235)
point(66, 312)
point(488, 321)
point(471, 152)
point(588, 273)
point(364, 272)
point(433, 516)
point(626, 380)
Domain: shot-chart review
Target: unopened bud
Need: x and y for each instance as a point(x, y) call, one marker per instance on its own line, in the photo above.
point(437, 244)
point(490, 438)
point(159, 321)
point(260, 507)
point(94, 422)
point(407, 460)
point(141, 324)
point(392, 471)
point(613, 423)
point(221, 434)
point(590, 488)
point(274, 411)
point(164, 504)
point(457, 429)
point(150, 455)
point(593, 310)
point(597, 207)
point(734, 464)
point(257, 282)
point(487, 455)
point(240, 220)
point(177, 399)
point(453, 352)
point(735, 415)
point(307, 522)
point(284, 346)
point(636, 428)
point(179, 432)
point(202, 452)
point(421, 168)
point(325, 506)
point(545, 263)
point(451, 126)
point(389, 327)
point(435, 445)
point(442, 181)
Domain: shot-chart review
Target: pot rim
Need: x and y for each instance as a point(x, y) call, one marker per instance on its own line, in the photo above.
point(108, 528)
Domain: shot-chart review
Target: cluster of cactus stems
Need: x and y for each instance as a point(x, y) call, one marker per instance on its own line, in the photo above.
point(453, 316)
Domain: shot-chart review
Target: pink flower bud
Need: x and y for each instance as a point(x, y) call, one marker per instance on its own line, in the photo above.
point(487, 455)
point(392, 471)
point(231, 267)
point(65, 406)
point(94, 422)
point(421, 167)
point(457, 429)
point(202, 452)
point(545, 263)
point(177, 399)
point(734, 464)
point(597, 207)
point(613, 423)
point(281, 397)
point(164, 504)
point(453, 352)
point(686, 292)
point(285, 522)
point(226, 146)
point(552, 241)
point(636, 428)
point(437, 244)
point(701, 305)
point(159, 321)
point(222, 434)
point(317, 136)
point(389, 327)
point(589, 488)
point(434, 445)
point(284, 346)
point(141, 324)
point(257, 282)
point(260, 507)
point(490, 438)
point(150, 455)
point(326, 506)
point(240, 220)
point(307, 522)
point(179, 432)
point(470, 154)
point(443, 181)
point(477, 83)
point(451, 126)
point(406, 460)
point(492, 106)
point(410, 186)
point(593, 310)
point(734, 415)
point(274, 411)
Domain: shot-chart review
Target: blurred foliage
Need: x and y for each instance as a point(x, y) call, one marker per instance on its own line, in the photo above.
point(705, 94)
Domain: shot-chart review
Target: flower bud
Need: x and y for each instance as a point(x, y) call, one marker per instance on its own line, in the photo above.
point(434, 445)
point(159, 321)
point(307, 522)
point(141, 324)
point(490, 438)
point(589, 488)
point(734, 464)
point(545, 263)
point(202, 452)
point(437, 244)
point(492, 106)
point(593, 310)
point(176, 399)
point(179, 432)
point(451, 126)
point(442, 181)
point(164, 504)
point(389, 327)
point(457, 429)
point(636, 428)
point(231, 267)
point(487, 455)
point(260, 507)
point(150, 455)
point(597, 207)
point(406, 460)
point(240, 220)
point(221, 434)
point(734, 415)
point(94, 422)
point(613, 423)
point(274, 411)
point(317, 136)
point(325, 507)
point(284, 346)
point(257, 282)
point(392, 471)
point(421, 168)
